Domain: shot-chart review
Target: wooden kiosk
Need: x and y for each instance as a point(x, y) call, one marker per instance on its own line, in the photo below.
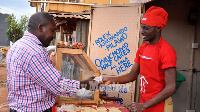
point(74, 64)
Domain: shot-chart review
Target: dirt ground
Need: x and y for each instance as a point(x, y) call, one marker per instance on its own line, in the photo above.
point(3, 90)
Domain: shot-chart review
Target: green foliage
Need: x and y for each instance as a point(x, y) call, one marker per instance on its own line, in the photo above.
point(16, 29)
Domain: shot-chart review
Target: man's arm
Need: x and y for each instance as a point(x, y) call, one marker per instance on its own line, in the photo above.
point(131, 76)
point(42, 72)
point(86, 83)
point(170, 89)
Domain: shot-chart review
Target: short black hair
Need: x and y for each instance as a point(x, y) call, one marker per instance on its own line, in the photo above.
point(39, 18)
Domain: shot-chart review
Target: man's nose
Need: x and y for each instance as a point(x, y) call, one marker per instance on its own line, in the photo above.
point(142, 31)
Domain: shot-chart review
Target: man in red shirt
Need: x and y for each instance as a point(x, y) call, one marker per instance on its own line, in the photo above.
point(155, 62)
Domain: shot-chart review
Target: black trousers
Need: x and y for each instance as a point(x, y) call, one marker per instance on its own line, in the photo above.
point(48, 110)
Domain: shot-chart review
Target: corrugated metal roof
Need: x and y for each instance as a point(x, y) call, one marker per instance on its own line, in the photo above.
point(140, 1)
point(70, 15)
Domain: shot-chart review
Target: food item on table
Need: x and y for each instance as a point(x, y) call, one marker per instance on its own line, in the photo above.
point(75, 44)
point(66, 44)
point(101, 109)
point(84, 93)
point(94, 106)
point(88, 109)
point(80, 44)
point(101, 101)
point(68, 108)
point(114, 109)
point(61, 43)
point(111, 108)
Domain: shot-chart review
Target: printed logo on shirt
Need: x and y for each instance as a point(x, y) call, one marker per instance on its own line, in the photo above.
point(145, 57)
point(143, 83)
point(144, 19)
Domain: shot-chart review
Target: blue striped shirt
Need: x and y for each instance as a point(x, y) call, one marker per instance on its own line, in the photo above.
point(32, 82)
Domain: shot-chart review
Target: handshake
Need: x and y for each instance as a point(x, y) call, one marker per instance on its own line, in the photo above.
point(94, 83)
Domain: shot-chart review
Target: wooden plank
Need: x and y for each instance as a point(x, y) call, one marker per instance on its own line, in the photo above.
point(97, 74)
point(47, 8)
point(56, 2)
point(71, 51)
point(96, 96)
point(89, 37)
point(58, 59)
point(61, 33)
point(120, 1)
point(100, 2)
point(53, 7)
point(60, 7)
point(58, 66)
point(137, 86)
point(115, 5)
point(63, 8)
point(66, 102)
point(74, 8)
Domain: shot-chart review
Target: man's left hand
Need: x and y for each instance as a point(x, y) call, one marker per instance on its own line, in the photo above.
point(135, 107)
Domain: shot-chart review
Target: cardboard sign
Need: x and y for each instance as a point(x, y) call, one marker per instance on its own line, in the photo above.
point(114, 37)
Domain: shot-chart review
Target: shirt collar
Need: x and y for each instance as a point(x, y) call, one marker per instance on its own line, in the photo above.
point(33, 38)
point(157, 43)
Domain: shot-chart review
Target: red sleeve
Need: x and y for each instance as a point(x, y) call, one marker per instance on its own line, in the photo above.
point(168, 57)
point(139, 52)
point(137, 57)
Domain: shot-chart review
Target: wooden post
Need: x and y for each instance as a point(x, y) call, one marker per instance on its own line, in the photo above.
point(61, 33)
point(137, 86)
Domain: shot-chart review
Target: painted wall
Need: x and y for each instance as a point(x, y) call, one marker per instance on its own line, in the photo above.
point(3, 27)
point(181, 34)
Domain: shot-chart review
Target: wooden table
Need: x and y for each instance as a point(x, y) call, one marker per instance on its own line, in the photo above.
point(114, 104)
point(106, 105)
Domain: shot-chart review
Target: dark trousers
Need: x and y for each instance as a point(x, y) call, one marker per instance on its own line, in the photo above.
point(48, 110)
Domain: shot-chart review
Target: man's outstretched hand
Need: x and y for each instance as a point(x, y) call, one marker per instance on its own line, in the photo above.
point(89, 84)
point(106, 81)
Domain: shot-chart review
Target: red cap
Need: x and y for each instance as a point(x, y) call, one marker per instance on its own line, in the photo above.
point(155, 16)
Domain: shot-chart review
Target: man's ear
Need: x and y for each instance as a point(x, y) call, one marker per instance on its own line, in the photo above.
point(40, 27)
point(158, 29)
